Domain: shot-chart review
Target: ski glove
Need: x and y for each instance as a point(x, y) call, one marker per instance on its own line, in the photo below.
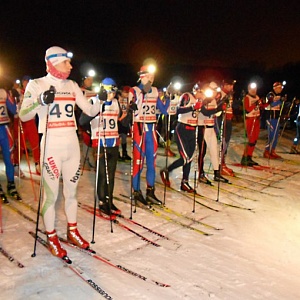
point(133, 106)
point(47, 97)
point(102, 94)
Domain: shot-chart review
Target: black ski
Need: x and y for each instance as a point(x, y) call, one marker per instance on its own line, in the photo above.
point(11, 258)
point(143, 238)
point(132, 222)
point(76, 269)
point(93, 254)
point(165, 217)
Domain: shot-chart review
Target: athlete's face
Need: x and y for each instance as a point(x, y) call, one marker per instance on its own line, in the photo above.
point(148, 77)
point(65, 66)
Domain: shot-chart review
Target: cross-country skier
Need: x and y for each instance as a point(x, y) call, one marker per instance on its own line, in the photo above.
point(144, 100)
point(53, 98)
point(252, 105)
point(185, 137)
point(6, 144)
point(104, 127)
point(273, 113)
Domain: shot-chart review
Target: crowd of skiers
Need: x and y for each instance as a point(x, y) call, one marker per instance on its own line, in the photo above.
point(198, 120)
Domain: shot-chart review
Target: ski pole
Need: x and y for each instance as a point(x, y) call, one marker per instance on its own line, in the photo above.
point(195, 164)
point(109, 196)
point(221, 151)
point(167, 138)
point(41, 190)
point(288, 116)
point(96, 184)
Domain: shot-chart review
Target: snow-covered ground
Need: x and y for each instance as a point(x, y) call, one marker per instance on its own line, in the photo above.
point(256, 255)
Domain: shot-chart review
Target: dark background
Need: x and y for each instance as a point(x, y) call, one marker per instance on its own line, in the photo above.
point(192, 40)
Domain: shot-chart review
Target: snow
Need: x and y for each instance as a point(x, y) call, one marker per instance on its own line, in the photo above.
point(254, 256)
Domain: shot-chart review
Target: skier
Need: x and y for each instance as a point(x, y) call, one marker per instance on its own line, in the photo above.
point(30, 133)
point(185, 137)
point(273, 114)
point(144, 100)
point(87, 153)
point(252, 105)
point(6, 143)
point(124, 122)
point(53, 98)
point(226, 118)
point(105, 127)
point(206, 118)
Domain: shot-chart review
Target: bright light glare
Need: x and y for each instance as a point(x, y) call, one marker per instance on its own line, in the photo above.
point(208, 93)
point(284, 82)
point(177, 86)
point(91, 73)
point(151, 69)
point(18, 81)
point(252, 85)
point(97, 89)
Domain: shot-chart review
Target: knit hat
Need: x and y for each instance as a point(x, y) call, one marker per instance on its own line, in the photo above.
point(57, 55)
point(277, 84)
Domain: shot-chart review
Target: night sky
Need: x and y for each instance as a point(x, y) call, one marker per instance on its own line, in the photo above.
point(115, 37)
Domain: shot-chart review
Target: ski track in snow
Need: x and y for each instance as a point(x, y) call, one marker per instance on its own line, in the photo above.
point(255, 256)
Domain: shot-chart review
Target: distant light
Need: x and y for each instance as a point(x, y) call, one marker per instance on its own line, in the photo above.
point(164, 89)
point(284, 83)
point(252, 85)
point(18, 81)
point(97, 89)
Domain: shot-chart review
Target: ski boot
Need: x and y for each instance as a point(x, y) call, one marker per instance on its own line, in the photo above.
point(226, 171)
point(294, 150)
point(266, 154)
point(254, 163)
point(186, 187)
point(12, 191)
point(246, 162)
point(203, 179)
point(126, 156)
point(219, 177)
point(115, 210)
point(164, 174)
point(54, 245)
point(18, 172)
point(104, 209)
point(169, 153)
point(74, 236)
point(274, 155)
point(3, 196)
point(150, 196)
point(138, 196)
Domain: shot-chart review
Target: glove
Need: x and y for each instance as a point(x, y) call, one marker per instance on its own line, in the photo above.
point(147, 87)
point(197, 106)
point(48, 96)
point(133, 106)
point(102, 94)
